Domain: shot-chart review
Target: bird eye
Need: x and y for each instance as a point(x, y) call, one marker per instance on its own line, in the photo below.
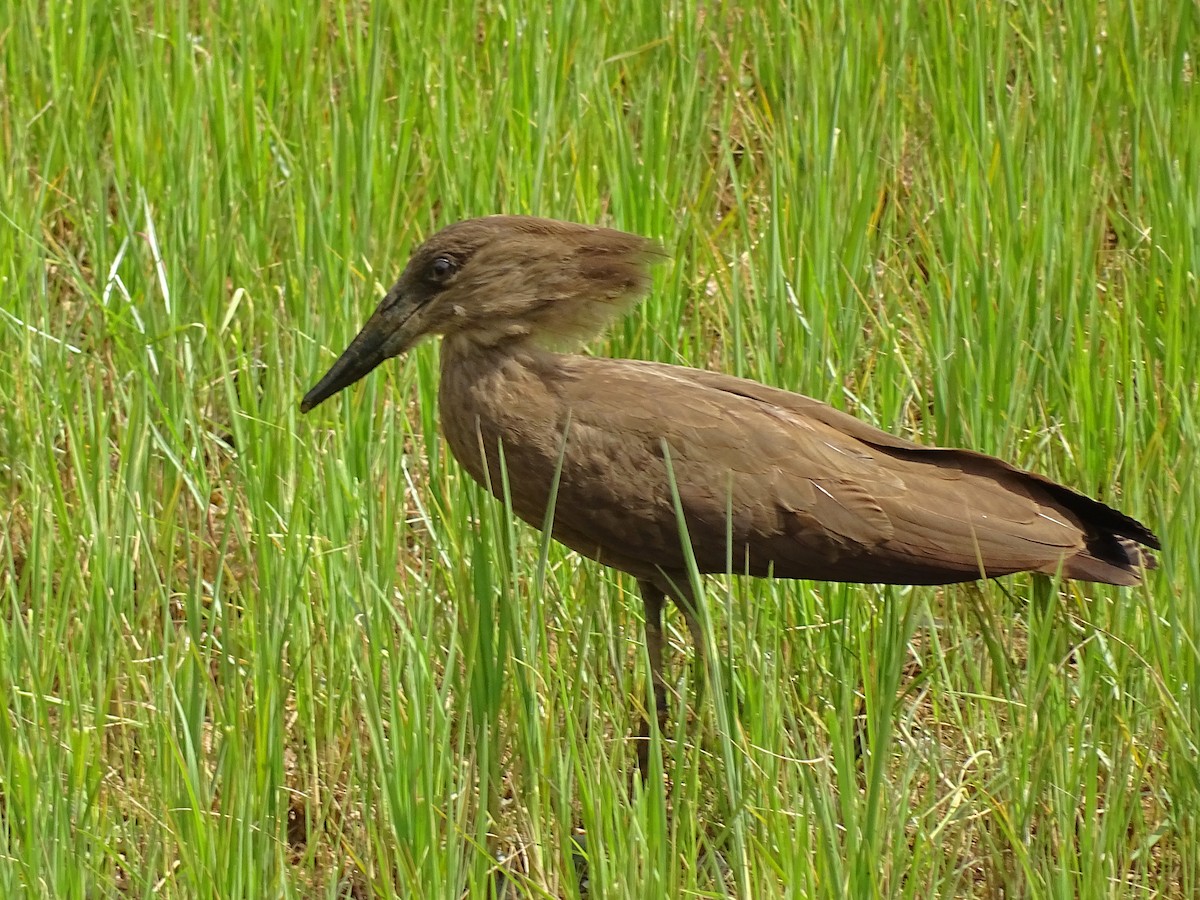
point(442, 267)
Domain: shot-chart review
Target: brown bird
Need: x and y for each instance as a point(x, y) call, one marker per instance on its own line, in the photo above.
point(768, 482)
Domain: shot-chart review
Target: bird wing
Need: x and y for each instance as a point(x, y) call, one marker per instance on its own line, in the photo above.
point(774, 481)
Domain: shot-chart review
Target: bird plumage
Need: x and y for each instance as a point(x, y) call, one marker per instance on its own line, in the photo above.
point(769, 482)
point(606, 451)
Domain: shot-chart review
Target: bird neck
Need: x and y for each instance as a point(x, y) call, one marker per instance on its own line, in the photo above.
point(459, 352)
point(495, 382)
point(491, 395)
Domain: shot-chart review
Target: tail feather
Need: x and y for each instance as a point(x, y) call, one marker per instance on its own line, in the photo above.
point(1119, 529)
point(1111, 559)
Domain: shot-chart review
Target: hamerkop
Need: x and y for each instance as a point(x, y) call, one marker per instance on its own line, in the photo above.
point(768, 482)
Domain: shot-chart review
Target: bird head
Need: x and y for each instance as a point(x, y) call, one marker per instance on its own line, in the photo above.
point(500, 280)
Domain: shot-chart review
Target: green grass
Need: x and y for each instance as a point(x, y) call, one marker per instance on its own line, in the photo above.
point(250, 654)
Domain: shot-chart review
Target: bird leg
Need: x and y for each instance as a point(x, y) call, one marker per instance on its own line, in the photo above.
point(685, 602)
point(653, 600)
point(654, 597)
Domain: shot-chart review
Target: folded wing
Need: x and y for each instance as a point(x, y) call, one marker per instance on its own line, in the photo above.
point(775, 482)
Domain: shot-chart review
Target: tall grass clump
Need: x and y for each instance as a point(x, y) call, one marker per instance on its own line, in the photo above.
point(247, 654)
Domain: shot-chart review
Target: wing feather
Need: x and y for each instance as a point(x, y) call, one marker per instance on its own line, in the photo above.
point(851, 499)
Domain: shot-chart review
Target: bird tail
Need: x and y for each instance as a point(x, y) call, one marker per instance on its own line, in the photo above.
point(1110, 559)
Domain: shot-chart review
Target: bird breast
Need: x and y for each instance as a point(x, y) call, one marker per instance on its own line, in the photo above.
point(506, 413)
point(502, 421)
